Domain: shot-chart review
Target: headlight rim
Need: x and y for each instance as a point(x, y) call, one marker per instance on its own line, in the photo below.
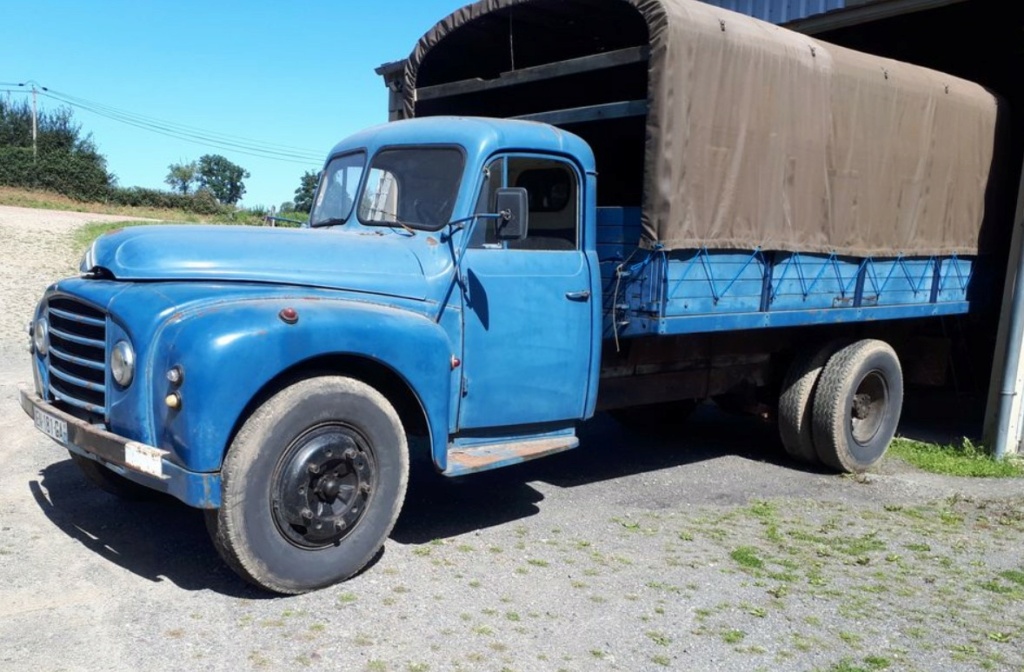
point(122, 363)
point(41, 335)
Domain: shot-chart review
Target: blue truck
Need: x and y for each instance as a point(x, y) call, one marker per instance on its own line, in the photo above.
point(766, 228)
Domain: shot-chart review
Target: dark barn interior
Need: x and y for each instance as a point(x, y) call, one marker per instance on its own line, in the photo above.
point(547, 56)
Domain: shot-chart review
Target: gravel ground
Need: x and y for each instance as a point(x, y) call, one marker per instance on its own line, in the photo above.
point(36, 249)
point(705, 551)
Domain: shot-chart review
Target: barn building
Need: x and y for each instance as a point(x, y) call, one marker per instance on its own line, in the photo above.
point(978, 40)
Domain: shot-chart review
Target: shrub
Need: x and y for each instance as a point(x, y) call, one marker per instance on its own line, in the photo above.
point(73, 175)
point(201, 202)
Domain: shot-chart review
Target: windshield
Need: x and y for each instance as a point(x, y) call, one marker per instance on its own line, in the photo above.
point(337, 192)
point(413, 187)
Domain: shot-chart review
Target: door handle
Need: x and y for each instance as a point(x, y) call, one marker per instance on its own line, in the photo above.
point(582, 295)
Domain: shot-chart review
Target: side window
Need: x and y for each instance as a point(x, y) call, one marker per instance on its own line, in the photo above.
point(553, 191)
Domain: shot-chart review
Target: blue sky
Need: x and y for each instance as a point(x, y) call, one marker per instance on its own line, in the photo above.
point(295, 74)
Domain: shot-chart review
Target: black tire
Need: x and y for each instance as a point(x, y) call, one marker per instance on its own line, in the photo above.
point(655, 417)
point(796, 401)
point(857, 406)
point(311, 485)
point(111, 482)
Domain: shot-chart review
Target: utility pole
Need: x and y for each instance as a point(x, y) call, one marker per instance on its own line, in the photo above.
point(35, 151)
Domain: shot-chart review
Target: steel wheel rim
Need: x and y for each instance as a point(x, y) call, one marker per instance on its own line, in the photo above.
point(869, 408)
point(322, 485)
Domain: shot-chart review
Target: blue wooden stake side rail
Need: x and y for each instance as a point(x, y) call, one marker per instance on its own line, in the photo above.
point(705, 290)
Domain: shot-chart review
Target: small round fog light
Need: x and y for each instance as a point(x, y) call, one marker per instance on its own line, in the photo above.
point(122, 363)
point(41, 336)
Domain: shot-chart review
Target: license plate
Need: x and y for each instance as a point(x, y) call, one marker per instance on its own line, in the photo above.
point(55, 428)
point(146, 459)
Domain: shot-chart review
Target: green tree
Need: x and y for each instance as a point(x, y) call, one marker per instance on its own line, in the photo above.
point(66, 161)
point(222, 178)
point(304, 194)
point(182, 176)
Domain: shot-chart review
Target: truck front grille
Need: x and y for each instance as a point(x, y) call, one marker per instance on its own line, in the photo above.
point(77, 355)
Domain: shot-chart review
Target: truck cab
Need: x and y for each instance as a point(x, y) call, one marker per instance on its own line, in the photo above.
point(522, 314)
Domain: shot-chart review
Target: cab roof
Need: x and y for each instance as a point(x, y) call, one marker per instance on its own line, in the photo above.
point(480, 137)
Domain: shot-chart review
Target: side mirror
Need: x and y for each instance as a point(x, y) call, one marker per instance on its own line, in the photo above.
point(513, 204)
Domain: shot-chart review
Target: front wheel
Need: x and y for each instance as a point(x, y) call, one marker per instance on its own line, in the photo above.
point(311, 485)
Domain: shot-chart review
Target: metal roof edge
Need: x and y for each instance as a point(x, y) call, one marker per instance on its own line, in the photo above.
point(851, 16)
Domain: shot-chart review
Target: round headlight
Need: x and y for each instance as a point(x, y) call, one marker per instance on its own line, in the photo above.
point(122, 363)
point(41, 336)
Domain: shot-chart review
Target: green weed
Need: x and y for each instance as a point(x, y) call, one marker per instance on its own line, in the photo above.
point(746, 556)
point(733, 636)
point(966, 459)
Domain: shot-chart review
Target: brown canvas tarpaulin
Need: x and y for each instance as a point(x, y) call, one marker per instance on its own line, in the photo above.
point(760, 137)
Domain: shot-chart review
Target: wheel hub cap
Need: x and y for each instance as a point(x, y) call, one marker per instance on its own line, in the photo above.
point(322, 486)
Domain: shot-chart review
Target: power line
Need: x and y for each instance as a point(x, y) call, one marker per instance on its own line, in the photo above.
point(69, 99)
point(198, 139)
point(239, 144)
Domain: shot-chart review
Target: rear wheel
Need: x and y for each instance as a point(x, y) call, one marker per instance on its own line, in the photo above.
point(796, 401)
point(109, 481)
point(857, 406)
point(311, 485)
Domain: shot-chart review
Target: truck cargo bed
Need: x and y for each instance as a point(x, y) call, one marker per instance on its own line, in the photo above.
point(703, 290)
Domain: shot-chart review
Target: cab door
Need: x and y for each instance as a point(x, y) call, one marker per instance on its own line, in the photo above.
point(528, 317)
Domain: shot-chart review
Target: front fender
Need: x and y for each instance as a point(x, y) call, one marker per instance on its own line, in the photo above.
point(229, 351)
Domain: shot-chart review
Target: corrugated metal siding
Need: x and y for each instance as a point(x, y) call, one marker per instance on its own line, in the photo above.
point(780, 11)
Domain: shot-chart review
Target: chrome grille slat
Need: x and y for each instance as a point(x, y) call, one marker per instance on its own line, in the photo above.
point(74, 338)
point(77, 318)
point(81, 361)
point(77, 355)
point(93, 408)
point(95, 387)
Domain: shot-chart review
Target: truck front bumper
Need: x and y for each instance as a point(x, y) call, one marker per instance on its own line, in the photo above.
point(145, 465)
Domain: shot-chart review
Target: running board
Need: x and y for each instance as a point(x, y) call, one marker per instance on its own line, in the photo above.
point(466, 460)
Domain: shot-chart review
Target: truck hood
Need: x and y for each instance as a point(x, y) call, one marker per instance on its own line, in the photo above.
point(360, 261)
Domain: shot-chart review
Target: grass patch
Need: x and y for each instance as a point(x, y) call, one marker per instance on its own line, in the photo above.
point(746, 556)
point(870, 664)
point(1014, 575)
point(29, 198)
point(32, 198)
point(733, 636)
point(85, 234)
point(966, 459)
point(659, 638)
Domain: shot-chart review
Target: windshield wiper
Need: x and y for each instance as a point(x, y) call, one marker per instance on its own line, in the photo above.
point(412, 231)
